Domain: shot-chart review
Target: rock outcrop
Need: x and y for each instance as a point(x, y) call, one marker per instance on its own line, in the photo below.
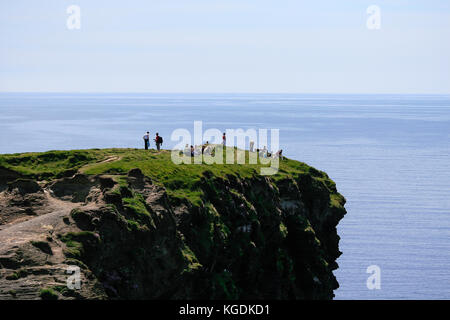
point(249, 238)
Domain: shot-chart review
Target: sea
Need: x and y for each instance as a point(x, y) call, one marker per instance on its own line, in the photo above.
point(388, 154)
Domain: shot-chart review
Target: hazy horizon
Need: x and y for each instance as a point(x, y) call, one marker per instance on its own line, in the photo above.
point(243, 92)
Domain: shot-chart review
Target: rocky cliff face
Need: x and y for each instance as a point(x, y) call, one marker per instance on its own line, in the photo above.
point(253, 237)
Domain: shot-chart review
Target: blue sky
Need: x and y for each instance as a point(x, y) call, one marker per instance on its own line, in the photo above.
point(225, 46)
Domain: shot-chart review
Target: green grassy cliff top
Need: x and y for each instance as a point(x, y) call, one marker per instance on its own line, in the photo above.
point(179, 180)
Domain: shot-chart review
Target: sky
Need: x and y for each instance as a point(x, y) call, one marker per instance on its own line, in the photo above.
point(248, 46)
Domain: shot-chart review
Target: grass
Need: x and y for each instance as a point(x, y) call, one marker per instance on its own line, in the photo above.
point(51, 164)
point(181, 180)
point(48, 294)
point(78, 242)
point(136, 206)
point(190, 257)
point(65, 291)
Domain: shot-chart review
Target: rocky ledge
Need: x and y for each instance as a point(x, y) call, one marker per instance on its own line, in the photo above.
point(224, 233)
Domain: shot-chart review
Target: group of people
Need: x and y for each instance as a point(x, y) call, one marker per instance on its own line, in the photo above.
point(193, 151)
point(208, 149)
point(158, 141)
point(264, 153)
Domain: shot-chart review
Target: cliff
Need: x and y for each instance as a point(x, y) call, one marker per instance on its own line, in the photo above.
point(140, 227)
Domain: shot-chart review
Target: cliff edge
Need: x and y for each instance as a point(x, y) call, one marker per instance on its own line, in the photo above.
point(138, 226)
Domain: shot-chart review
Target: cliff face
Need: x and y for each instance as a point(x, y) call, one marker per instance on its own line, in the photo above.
point(248, 236)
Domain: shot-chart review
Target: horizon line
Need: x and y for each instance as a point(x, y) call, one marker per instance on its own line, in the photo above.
point(217, 93)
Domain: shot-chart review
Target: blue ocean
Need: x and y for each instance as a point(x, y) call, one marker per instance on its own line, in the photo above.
point(388, 154)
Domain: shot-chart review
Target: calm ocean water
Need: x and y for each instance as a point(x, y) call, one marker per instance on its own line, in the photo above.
point(388, 154)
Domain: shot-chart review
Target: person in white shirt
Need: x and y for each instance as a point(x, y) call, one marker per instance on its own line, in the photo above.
point(187, 150)
point(146, 140)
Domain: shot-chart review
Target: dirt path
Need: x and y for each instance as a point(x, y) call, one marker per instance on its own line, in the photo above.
point(30, 230)
point(35, 228)
point(107, 160)
point(110, 159)
point(27, 267)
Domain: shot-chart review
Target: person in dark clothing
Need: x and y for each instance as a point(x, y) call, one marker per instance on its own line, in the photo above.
point(158, 141)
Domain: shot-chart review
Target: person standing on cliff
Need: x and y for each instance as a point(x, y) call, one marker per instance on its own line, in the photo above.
point(224, 139)
point(252, 144)
point(279, 154)
point(146, 140)
point(158, 141)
